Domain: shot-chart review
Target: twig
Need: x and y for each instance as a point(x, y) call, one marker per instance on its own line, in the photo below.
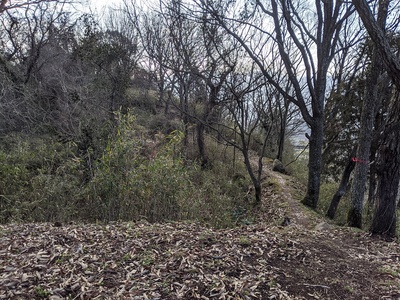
point(145, 272)
point(297, 157)
point(316, 285)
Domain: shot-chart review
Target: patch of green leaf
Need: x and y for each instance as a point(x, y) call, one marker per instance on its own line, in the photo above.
point(42, 293)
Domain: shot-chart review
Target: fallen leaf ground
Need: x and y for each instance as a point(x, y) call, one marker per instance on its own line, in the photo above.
point(304, 260)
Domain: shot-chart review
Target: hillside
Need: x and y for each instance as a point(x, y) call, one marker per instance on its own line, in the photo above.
point(308, 259)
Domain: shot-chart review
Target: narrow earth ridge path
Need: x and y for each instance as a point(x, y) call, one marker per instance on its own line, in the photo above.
point(296, 212)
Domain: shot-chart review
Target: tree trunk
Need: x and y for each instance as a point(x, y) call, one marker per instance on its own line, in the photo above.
point(354, 217)
point(314, 164)
point(282, 133)
point(342, 186)
point(384, 221)
point(204, 161)
point(254, 179)
point(366, 129)
point(372, 169)
point(388, 171)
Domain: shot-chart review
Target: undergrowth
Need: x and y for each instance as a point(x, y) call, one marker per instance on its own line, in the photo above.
point(136, 176)
point(327, 190)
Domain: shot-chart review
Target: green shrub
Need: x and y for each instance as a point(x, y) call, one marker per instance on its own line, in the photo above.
point(145, 100)
point(105, 189)
point(39, 179)
point(14, 181)
point(130, 183)
point(326, 193)
point(218, 196)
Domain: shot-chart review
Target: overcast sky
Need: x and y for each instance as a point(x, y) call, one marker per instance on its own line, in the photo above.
point(99, 4)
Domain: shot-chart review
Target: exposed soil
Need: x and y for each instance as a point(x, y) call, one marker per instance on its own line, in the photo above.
point(308, 259)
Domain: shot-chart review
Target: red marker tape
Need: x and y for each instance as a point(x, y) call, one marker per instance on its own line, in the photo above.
point(355, 159)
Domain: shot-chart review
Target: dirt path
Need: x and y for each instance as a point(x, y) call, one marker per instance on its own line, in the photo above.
point(344, 263)
point(296, 213)
point(289, 195)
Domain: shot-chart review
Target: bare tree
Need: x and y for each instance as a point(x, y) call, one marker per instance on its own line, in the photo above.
point(35, 39)
point(6, 5)
point(307, 44)
point(283, 115)
point(196, 53)
point(245, 102)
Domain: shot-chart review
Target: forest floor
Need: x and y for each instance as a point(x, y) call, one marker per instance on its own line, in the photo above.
point(307, 259)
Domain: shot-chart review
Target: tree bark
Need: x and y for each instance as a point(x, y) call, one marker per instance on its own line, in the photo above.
point(388, 171)
point(354, 218)
point(256, 180)
point(388, 158)
point(282, 131)
point(314, 164)
point(366, 128)
point(204, 161)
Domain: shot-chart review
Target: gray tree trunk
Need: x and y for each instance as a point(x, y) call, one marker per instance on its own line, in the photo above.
point(282, 131)
point(354, 218)
point(388, 158)
point(314, 164)
point(388, 171)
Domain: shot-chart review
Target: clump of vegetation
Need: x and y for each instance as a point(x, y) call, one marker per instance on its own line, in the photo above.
point(41, 293)
point(39, 179)
point(137, 176)
point(327, 191)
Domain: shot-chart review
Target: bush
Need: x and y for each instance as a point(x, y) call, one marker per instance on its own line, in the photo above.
point(142, 99)
point(14, 180)
point(38, 179)
point(134, 179)
point(298, 166)
point(326, 194)
point(219, 197)
point(327, 190)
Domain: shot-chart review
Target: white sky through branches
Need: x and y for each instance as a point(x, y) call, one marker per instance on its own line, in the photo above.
point(99, 4)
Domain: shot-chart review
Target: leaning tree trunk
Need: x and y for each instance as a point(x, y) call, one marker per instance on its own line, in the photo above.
point(342, 186)
point(254, 178)
point(378, 36)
